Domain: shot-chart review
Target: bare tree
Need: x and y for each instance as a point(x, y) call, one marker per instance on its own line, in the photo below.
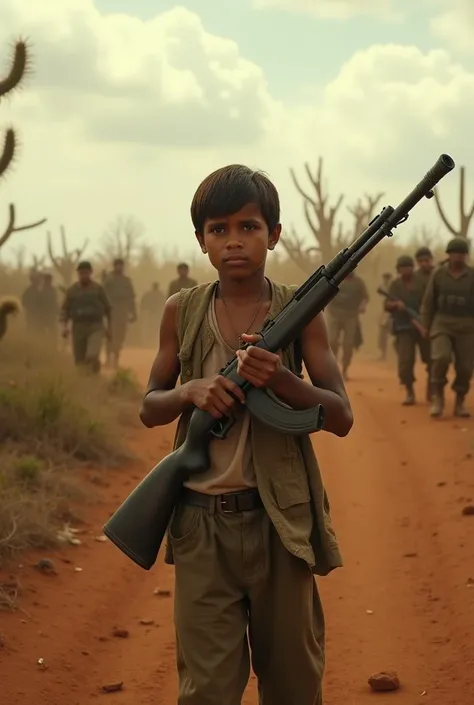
point(121, 239)
point(363, 211)
point(465, 215)
point(323, 220)
point(426, 236)
point(20, 258)
point(66, 264)
point(37, 263)
point(18, 70)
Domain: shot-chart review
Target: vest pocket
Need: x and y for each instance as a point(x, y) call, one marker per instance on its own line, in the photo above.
point(291, 485)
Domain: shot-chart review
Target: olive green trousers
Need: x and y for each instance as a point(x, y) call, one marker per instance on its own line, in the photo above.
point(241, 598)
point(458, 348)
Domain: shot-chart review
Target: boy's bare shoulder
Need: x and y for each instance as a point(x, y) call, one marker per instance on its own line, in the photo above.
point(170, 311)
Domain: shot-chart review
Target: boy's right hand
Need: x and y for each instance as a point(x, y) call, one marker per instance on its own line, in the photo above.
point(214, 395)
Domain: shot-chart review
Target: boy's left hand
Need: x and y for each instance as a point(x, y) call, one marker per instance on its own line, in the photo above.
point(257, 366)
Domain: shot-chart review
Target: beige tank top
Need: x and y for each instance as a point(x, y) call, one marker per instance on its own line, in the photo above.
point(231, 468)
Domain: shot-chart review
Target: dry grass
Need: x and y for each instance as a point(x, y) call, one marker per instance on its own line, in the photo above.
point(53, 420)
point(49, 407)
point(34, 497)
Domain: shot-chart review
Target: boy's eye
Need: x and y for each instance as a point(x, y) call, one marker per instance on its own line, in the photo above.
point(218, 229)
point(249, 226)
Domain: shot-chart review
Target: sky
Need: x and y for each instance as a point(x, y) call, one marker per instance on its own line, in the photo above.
point(132, 103)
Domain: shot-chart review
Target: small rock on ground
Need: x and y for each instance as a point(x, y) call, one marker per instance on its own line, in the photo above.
point(384, 681)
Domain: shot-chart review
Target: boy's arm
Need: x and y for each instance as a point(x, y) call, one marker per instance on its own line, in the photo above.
point(163, 402)
point(327, 386)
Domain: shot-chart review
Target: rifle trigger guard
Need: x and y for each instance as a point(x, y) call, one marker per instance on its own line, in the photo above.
point(273, 413)
point(222, 427)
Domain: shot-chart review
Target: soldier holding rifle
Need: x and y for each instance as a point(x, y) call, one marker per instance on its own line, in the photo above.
point(404, 300)
point(448, 314)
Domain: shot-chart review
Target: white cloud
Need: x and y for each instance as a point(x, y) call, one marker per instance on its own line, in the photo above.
point(125, 116)
point(164, 81)
point(394, 105)
point(331, 9)
point(454, 23)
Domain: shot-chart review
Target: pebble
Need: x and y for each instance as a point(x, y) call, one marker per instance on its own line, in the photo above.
point(120, 633)
point(384, 681)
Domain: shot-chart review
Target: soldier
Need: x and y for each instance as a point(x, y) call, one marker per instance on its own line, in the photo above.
point(425, 265)
point(448, 315)
point(121, 295)
point(49, 308)
point(86, 305)
point(183, 280)
point(151, 309)
point(407, 293)
point(384, 321)
point(343, 318)
point(31, 302)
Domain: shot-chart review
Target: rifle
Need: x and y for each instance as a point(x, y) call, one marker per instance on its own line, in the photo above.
point(139, 525)
point(414, 317)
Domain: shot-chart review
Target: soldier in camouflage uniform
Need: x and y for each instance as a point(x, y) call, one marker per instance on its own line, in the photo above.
point(49, 308)
point(183, 280)
point(31, 302)
point(86, 306)
point(343, 318)
point(425, 265)
point(407, 291)
point(384, 321)
point(121, 295)
point(448, 315)
point(151, 311)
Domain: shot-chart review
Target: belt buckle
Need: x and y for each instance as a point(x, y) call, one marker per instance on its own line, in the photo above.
point(223, 504)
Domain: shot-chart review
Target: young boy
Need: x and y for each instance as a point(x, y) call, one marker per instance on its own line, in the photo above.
point(249, 533)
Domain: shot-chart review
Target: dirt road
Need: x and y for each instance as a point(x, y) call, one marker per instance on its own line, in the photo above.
point(404, 601)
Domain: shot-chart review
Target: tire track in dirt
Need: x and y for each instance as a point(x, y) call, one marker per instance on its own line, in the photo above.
point(386, 503)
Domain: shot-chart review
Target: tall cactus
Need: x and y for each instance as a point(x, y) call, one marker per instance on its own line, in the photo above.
point(18, 69)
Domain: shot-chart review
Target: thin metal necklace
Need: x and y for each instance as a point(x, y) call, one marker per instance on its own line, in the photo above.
point(257, 311)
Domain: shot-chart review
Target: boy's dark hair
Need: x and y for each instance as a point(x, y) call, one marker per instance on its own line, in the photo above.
point(229, 189)
point(183, 265)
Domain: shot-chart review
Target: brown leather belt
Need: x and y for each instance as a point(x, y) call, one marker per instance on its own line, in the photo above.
point(229, 503)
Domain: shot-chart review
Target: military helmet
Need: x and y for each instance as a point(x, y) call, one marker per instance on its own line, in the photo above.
point(405, 261)
point(85, 264)
point(423, 252)
point(459, 245)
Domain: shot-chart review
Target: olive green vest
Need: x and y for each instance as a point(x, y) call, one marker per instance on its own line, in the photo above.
point(288, 475)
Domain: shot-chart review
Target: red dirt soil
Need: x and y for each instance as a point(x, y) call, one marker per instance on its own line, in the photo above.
point(404, 601)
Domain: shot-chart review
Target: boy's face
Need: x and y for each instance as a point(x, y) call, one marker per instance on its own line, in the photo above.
point(237, 244)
